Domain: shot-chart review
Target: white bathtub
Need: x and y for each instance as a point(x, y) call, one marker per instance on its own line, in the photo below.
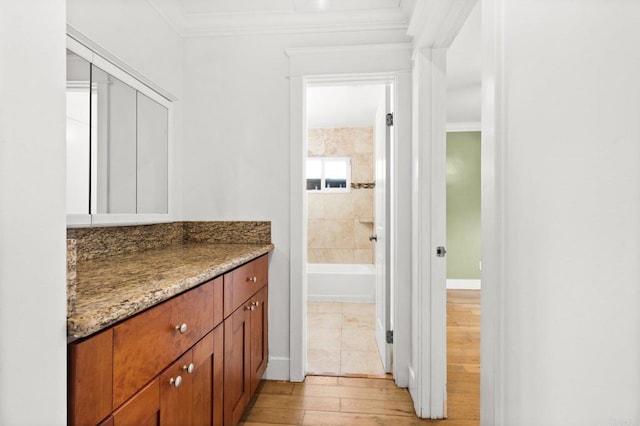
point(341, 282)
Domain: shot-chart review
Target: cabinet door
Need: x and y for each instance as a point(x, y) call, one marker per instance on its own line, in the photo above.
point(143, 409)
point(207, 379)
point(237, 373)
point(175, 393)
point(90, 379)
point(259, 337)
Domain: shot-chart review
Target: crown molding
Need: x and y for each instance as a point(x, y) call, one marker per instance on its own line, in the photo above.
point(436, 23)
point(278, 22)
point(370, 48)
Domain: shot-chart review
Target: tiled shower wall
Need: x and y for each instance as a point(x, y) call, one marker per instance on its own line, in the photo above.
point(340, 223)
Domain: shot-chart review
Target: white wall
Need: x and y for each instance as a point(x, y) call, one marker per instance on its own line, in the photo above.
point(464, 69)
point(32, 213)
point(567, 150)
point(135, 33)
point(236, 146)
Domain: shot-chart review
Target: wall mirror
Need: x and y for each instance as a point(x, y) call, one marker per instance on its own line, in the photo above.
point(117, 144)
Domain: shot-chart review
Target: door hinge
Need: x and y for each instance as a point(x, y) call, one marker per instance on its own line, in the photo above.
point(390, 119)
point(441, 251)
point(389, 336)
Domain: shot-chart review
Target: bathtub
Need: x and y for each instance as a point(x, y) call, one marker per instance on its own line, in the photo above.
point(341, 282)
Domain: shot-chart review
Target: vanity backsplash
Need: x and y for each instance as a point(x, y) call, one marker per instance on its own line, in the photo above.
point(105, 241)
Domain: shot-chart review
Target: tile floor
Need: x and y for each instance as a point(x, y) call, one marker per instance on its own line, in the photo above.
point(341, 339)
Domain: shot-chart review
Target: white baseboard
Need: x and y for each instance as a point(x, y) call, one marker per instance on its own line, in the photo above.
point(463, 284)
point(340, 298)
point(277, 369)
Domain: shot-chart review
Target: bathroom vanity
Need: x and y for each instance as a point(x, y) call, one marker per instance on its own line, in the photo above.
point(175, 334)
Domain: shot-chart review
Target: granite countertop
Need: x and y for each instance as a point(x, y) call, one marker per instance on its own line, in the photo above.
point(114, 288)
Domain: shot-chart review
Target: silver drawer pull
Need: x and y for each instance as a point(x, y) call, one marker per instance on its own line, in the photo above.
point(182, 328)
point(253, 279)
point(188, 368)
point(176, 382)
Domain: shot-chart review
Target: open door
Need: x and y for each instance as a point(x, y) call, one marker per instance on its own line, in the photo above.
point(383, 134)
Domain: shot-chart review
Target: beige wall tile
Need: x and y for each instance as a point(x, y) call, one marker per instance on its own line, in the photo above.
point(335, 232)
point(363, 206)
point(361, 234)
point(315, 255)
point(338, 146)
point(315, 205)
point(315, 233)
point(315, 143)
point(363, 256)
point(338, 206)
point(338, 234)
point(363, 137)
point(338, 255)
point(362, 168)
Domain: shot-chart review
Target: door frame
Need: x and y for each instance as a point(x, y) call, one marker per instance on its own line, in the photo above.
point(371, 63)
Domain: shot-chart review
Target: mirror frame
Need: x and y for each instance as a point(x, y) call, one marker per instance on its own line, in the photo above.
point(98, 59)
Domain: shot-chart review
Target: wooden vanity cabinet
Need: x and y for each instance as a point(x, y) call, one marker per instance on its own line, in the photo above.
point(146, 371)
point(191, 388)
point(142, 409)
point(246, 339)
point(259, 345)
point(90, 393)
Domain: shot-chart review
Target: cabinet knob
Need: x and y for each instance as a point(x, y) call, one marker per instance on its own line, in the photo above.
point(257, 304)
point(182, 328)
point(188, 368)
point(252, 279)
point(251, 307)
point(175, 382)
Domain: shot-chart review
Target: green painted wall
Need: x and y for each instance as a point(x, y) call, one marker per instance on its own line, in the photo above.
point(463, 205)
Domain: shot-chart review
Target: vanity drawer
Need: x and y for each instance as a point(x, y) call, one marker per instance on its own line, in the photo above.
point(241, 283)
point(145, 344)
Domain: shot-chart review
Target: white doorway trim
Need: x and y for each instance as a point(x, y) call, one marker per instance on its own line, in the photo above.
point(434, 25)
point(390, 62)
point(492, 229)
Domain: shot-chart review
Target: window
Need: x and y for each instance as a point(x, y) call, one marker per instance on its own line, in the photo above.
point(329, 174)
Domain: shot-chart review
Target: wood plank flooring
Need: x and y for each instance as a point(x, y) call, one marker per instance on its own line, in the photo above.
point(321, 400)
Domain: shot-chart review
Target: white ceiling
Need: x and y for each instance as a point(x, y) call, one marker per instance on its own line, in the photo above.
point(343, 106)
point(232, 17)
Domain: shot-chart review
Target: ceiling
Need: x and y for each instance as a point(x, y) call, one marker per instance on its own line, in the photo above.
point(343, 105)
point(193, 18)
point(225, 17)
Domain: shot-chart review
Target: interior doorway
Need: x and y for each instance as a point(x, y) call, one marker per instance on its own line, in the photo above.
point(463, 217)
point(348, 139)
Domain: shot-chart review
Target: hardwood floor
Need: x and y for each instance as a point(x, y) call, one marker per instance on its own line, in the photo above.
point(322, 400)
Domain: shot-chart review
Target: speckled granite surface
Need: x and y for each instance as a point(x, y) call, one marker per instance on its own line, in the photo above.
point(113, 288)
point(71, 275)
point(115, 240)
point(104, 241)
point(233, 232)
